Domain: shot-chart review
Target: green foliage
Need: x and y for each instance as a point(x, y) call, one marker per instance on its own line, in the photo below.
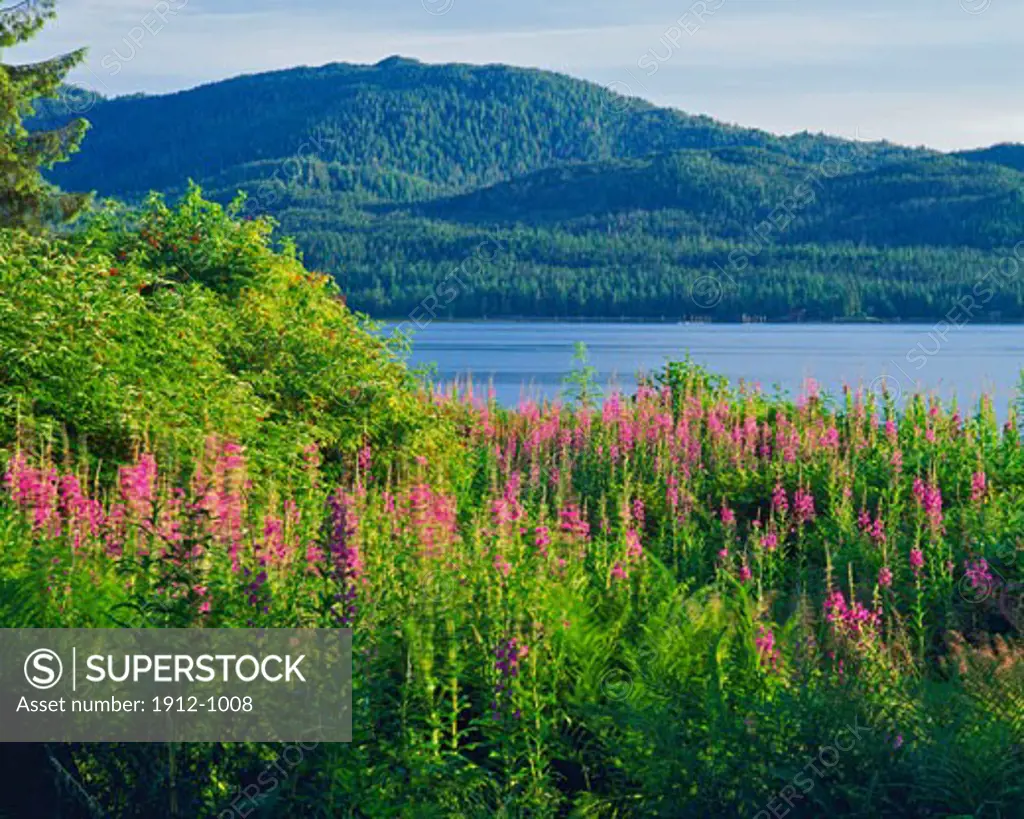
point(26, 199)
point(162, 324)
point(581, 385)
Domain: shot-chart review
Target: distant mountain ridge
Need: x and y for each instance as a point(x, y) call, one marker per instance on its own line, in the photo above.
point(388, 175)
point(456, 125)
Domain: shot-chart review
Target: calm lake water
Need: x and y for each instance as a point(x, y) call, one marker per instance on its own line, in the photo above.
point(531, 359)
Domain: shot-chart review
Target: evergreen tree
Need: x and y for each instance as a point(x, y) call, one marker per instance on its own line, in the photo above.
point(36, 773)
point(26, 199)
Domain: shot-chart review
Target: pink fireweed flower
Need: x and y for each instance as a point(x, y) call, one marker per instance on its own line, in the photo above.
point(916, 560)
point(803, 505)
point(770, 541)
point(35, 490)
point(929, 498)
point(727, 515)
point(877, 531)
point(365, 458)
point(767, 653)
point(873, 529)
point(896, 461)
point(72, 499)
point(849, 620)
point(430, 517)
point(611, 410)
point(84, 515)
point(535, 474)
point(638, 512)
point(273, 539)
point(890, 430)
point(627, 435)
point(115, 530)
point(792, 446)
point(634, 549)
point(885, 577)
point(979, 486)
point(744, 573)
point(979, 574)
point(221, 496)
point(571, 521)
point(138, 484)
point(502, 512)
point(618, 572)
point(502, 565)
point(169, 522)
point(809, 393)
point(919, 490)
point(511, 495)
point(346, 563)
point(780, 503)
point(672, 491)
point(542, 539)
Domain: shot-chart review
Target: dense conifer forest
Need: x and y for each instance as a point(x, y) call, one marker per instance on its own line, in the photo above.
point(392, 176)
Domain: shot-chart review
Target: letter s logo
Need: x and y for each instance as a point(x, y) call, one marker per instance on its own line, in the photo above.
point(39, 669)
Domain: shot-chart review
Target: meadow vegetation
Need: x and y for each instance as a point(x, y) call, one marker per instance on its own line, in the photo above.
point(699, 600)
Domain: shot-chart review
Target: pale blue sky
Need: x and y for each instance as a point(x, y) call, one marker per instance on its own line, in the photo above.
point(945, 73)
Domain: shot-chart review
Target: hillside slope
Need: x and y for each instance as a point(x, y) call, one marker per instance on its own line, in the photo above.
point(392, 176)
point(454, 125)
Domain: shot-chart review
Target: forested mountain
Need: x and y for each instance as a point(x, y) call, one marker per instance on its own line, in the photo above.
point(1009, 154)
point(390, 177)
point(454, 125)
point(725, 192)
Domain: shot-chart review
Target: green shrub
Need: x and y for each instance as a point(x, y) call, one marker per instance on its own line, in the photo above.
point(166, 323)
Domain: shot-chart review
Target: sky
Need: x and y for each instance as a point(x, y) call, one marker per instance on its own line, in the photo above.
point(941, 73)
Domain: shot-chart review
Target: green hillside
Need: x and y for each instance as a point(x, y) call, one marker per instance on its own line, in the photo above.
point(1009, 154)
point(390, 176)
point(455, 125)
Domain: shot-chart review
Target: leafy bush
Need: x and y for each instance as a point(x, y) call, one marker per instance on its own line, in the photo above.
point(163, 324)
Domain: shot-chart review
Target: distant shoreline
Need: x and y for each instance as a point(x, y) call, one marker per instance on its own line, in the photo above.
point(915, 322)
